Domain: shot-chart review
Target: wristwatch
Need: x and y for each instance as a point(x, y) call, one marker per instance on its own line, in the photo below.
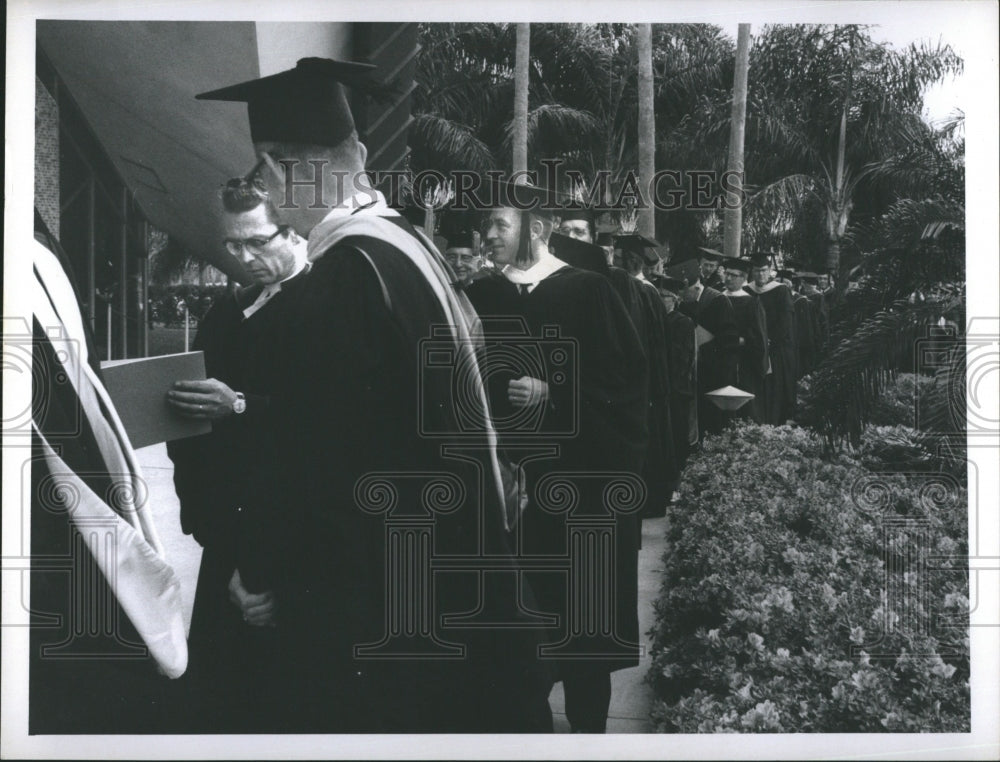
point(240, 405)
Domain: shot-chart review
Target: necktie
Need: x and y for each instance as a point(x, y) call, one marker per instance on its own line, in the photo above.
point(522, 289)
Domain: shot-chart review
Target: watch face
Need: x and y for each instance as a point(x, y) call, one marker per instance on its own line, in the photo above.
point(239, 406)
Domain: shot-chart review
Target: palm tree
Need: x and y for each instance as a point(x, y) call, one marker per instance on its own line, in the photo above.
point(734, 215)
point(911, 274)
point(647, 127)
point(520, 123)
point(834, 106)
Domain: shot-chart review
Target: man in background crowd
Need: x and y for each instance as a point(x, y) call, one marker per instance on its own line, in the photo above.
point(681, 362)
point(709, 275)
point(464, 256)
point(752, 364)
point(606, 387)
point(779, 312)
point(718, 342)
point(661, 469)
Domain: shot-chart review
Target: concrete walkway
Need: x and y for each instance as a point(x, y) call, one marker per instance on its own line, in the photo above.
point(630, 697)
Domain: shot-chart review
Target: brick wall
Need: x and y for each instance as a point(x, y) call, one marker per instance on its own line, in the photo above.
point(47, 157)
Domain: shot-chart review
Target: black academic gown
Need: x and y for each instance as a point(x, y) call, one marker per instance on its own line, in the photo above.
point(388, 480)
point(805, 334)
point(680, 345)
point(714, 281)
point(661, 469)
point(751, 369)
point(717, 357)
point(596, 418)
point(228, 502)
point(779, 386)
point(821, 312)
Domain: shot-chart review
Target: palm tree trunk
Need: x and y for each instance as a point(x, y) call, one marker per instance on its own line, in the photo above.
point(521, 59)
point(647, 129)
point(833, 248)
point(733, 217)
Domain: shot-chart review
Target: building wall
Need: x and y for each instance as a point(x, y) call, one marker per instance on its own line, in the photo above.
point(47, 157)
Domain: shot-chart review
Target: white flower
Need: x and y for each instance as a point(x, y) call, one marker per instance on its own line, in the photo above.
point(756, 641)
point(744, 692)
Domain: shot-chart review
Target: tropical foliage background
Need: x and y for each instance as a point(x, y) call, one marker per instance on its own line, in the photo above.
point(771, 617)
point(843, 173)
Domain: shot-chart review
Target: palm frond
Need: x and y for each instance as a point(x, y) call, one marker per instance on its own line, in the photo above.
point(851, 377)
point(446, 145)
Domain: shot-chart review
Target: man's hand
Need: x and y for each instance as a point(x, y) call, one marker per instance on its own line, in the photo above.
point(527, 392)
point(209, 399)
point(258, 608)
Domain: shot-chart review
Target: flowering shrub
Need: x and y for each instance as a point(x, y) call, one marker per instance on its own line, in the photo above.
point(805, 593)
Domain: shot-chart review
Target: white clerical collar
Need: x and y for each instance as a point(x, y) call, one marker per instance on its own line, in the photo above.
point(547, 264)
point(370, 201)
point(271, 289)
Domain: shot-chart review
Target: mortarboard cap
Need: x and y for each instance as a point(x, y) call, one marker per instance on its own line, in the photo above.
point(581, 213)
point(672, 286)
point(606, 238)
point(462, 239)
point(306, 104)
point(542, 202)
point(579, 254)
point(760, 259)
point(787, 274)
point(712, 254)
point(639, 244)
point(738, 263)
point(808, 277)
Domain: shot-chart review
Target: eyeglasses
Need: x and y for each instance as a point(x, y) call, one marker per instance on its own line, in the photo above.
point(253, 245)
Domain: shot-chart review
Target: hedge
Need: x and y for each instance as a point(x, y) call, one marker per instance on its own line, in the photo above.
point(812, 593)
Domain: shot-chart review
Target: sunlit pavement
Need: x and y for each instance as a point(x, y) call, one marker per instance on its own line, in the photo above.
point(630, 697)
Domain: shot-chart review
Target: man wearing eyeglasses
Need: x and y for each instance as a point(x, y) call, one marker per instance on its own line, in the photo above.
point(222, 478)
point(374, 641)
point(464, 257)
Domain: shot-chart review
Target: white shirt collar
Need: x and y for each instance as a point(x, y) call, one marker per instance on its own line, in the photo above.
point(738, 292)
point(547, 264)
point(271, 289)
